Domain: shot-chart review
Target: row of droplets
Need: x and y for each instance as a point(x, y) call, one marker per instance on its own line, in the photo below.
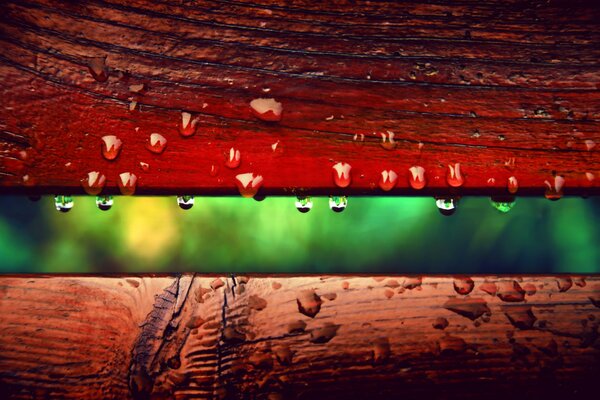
point(446, 205)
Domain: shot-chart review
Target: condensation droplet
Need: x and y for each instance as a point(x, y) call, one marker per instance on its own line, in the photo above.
point(304, 204)
point(144, 166)
point(416, 178)
point(185, 202)
point(98, 69)
point(513, 185)
point(503, 203)
point(248, 184)
point(104, 203)
point(341, 174)
point(359, 139)
point(233, 159)
point(111, 146)
point(127, 183)
point(387, 140)
point(63, 203)
point(157, 143)
point(93, 183)
point(555, 191)
point(388, 180)
point(447, 205)
point(266, 109)
point(454, 176)
point(188, 125)
point(338, 203)
point(590, 144)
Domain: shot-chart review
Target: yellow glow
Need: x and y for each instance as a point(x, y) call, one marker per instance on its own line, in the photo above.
point(149, 227)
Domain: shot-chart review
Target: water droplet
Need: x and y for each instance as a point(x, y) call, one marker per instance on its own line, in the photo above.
point(63, 203)
point(157, 143)
point(144, 166)
point(589, 176)
point(454, 177)
point(564, 283)
point(463, 286)
point(104, 203)
point(266, 109)
point(491, 182)
point(136, 88)
point(338, 203)
point(234, 159)
point(359, 139)
point(440, 323)
point(446, 206)
point(416, 178)
point(513, 185)
point(309, 303)
point(94, 183)
point(214, 170)
point(468, 307)
point(388, 180)
point(185, 202)
point(590, 144)
point(503, 203)
point(324, 333)
point(248, 184)
point(554, 192)
point(304, 204)
point(259, 197)
point(111, 146)
point(127, 182)
point(381, 350)
point(98, 69)
point(511, 292)
point(341, 174)
point(520, 316)
point(188, 125)
point(387, 140)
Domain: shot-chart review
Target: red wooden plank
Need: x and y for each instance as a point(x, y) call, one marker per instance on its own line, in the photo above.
point(504, 91)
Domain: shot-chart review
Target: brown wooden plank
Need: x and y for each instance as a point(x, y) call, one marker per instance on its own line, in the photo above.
point(192, 336)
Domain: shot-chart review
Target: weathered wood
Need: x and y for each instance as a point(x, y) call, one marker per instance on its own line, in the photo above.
point(505, 88)
point(299, 337)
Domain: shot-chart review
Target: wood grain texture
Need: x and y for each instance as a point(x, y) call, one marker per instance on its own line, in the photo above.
point(505, 88)
point(327, 337)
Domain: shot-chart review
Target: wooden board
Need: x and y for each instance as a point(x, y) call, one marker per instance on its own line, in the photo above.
point(505, 89)
point(317, 337)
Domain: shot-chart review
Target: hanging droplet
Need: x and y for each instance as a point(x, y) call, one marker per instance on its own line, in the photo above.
point(157, 143)
point(104, 203)
point(111, 146)
point(127, 182)
point(266, 109)
point(185, 202)
point(94, 183)
point(454, 177)
point(259, 197)
point(446, 205)
point(234, 159)
point(304, 204)
point(338, 203)
point(554, 192)
point(513, 185)
point(63, 203)
point(387, 140)
point(188, 125)
point(503, 203)
point(341, 174)
point(388, 180)
point(416, 178)
point(248, 184)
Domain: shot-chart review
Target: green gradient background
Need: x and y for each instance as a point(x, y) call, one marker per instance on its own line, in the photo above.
point(241, 235)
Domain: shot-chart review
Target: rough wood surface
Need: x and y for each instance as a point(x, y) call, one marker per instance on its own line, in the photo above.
point(505, 88)
point(307, 337)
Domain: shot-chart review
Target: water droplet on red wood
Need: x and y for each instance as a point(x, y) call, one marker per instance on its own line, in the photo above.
point(248, 184)
point(416, 177)
point(342, 174)
point(93, 183)
point(388, 180)
point(454, 176)
point(127, 183)
point(233, 158)
point(111, 146)
point(267, 109)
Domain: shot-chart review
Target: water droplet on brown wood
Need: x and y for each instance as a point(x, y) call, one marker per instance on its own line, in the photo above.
point(488, 287)
point(392, 283)
point(257, 303)
point(530, 289)
point(276, 285)
point(440, 323)
point(381, 351)
point(133, 282)
point(564, 283)
point(452, 345)
point(520, 316)
point(329, 296)
point(283, 354)
point(345, 285)
point(324, 333)
point(469, 307)
point(389, 293)
point(412, 283)
point(309, 303)
point(463, 286)
point(232, 335)
point(511, 291)
point(217, 283)
point(297, 326)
